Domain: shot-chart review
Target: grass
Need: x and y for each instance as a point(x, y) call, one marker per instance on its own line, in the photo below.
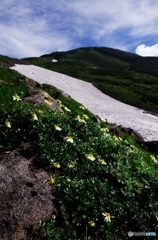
point(127, 77)
point(104, 185)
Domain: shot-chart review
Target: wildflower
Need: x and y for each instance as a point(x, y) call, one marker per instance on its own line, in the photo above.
point(68, 179)
point(92, 223)
point(67, 109)
point(57, 128)
point(132, 146)
point(34, 116)
point(69, 139)
point(56, 164)
point(80, 120)
point(103, 120)
point(104, 129)
point(106, 134)
point(40, 111)
point(50, 180)
point(102, 161)
point(70, 165)
point(61, 105)
point(91, 157)
point(153, 158)
point(85, 116)
point(8, 124)
point(115, 137)
point(48, 101)
point(82, 107)
point(51, 160)
point(45, 94)
point(107, 217)
point(58, 101)
point(130, 150)
point(16, 97)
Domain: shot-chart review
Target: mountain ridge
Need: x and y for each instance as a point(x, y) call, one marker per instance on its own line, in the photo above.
point(124, 76)
point(69, 175)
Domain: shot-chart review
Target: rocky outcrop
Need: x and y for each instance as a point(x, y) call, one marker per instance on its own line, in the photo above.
point(37, 97)
point(25, 198)
point(152, 146)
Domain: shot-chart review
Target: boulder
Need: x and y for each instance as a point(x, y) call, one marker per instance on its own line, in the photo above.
point(37, 97)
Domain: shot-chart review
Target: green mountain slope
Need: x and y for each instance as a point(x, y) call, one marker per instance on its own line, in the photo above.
point(97, 178)
point(125, 76)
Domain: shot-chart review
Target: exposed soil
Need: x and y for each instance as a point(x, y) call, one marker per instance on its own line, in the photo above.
point(25, 198)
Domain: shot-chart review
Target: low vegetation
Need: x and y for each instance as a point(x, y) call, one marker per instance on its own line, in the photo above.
point(125, 76)
point(104, 185)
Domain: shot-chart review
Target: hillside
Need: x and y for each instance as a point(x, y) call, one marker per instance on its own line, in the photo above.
point(125, 76)
point(114, 111)
point(65, 173)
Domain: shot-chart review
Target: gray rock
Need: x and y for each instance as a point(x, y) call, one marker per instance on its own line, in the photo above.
point(36, 97)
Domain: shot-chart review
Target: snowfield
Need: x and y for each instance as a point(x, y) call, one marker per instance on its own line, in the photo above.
point(96, 101)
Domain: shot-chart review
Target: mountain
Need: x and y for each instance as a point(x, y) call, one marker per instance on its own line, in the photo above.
point(6, 61)
point(65, 173)
point(125, 76)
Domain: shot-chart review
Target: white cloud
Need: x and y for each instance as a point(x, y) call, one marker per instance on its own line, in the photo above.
point(24, 43)
point(144, 50)
point(32, 28)
point(26, 33)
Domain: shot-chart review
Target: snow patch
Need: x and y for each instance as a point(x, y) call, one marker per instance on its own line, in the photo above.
point(97, 102)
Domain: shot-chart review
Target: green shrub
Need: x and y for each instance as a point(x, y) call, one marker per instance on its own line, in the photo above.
point(103, 185)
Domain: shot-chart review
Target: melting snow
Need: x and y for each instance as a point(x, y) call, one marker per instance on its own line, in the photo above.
point(96, 101)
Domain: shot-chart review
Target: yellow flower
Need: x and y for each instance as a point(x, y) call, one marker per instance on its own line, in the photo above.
point(57, 127)
point(130, 150)
point(8, 124)
point(50, 180)
point(80, 120)
point(104, 129)
point(103, 120)
point(58, 101)
point(67, 109)
point(57, 165)
point(153, 158)
point(102, 161)
point(61, 105)
point(45, 94)
point(34, 116)
point(107, 217)
point(85, 116)
point(81, 107)
point(115, 137)
point(92, 223)
point(48, 101)
point(40, 111)
point(16, 97)
point(70, 165)
point(91, 157)
point(69, 139)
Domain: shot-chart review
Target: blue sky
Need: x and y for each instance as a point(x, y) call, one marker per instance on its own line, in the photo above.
point(31, 28)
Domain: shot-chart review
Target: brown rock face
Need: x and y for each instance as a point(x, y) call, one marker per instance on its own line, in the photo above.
point(36, 97)
point(24, 197)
